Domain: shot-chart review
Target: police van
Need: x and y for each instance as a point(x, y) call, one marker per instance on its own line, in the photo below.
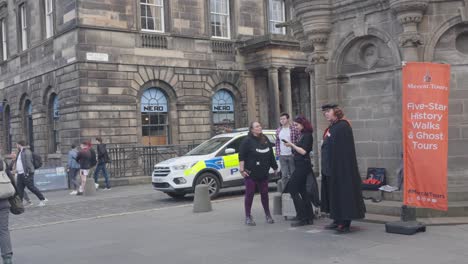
point(215, 163)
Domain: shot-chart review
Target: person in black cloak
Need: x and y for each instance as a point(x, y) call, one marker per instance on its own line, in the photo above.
point(341, 194)
point(296, 185)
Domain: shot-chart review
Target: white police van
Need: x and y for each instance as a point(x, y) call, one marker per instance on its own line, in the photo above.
point(215, 163)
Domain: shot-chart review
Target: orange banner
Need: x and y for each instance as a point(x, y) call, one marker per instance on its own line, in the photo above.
point(425, 134)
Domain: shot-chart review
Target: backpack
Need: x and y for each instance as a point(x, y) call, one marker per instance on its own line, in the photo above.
point(93, 157)
point(36, 160)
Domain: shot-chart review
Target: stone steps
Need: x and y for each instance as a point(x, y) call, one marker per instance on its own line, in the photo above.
point(392, 208)
point(455, 194)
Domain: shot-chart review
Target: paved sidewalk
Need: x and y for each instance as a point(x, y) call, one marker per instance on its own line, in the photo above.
point(173, 234)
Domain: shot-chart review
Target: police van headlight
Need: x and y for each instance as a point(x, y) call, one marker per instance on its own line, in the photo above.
point(182, 166)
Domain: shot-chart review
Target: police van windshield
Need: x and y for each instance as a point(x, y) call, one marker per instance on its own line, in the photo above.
point(209, 146)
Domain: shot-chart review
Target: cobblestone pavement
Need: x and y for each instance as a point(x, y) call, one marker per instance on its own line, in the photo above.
point(63, 207)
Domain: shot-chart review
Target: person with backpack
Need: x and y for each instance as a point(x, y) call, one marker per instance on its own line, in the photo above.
point(84, 158)
point(5, 241)
point(26, 163)
point(103, 158)
point(73, 168)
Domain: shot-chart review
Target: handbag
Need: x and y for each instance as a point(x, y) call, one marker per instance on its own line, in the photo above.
point(16, 205)
point(7, 189)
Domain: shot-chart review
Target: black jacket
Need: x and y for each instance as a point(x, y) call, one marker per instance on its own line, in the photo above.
point(103, 156)
point(258, 157)
point(84, 159)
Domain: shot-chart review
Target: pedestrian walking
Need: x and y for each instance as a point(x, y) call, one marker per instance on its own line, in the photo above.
point(286, 132)
point(5, 241)
point(12, 169)
point(25, 173)
point(341, 182)
point(103, 159)
point(84, 159)
point(303, 167)
point(255, 160)
point(73, 168)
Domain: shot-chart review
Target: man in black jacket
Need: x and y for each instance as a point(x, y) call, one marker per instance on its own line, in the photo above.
point(103, 158)
point(25, 171)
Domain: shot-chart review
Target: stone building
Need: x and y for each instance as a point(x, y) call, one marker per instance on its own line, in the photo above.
point(176, 72)
point(149, 72)
point(358, 50)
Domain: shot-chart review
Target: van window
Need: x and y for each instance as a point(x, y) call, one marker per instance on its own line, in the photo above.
point(234, 145)
point(272, 138)
point(209, 146)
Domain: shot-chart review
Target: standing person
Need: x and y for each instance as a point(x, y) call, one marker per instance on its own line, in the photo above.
point(303, 167)
point(5, 241)
point(73, 169)
point(103, 159)
point(25, 173)
point(341, 182)
point(289, 133)
point(84, 159)
point(255, 160)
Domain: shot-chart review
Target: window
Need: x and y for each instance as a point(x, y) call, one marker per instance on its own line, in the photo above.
point(223, 111)
point(23, 27)
point(152, 15)
point(154, 117)
point(49, 17)
point(276, 14)
point(53, 123)
point(220, 19)
point(4, 39)
point(8, 137)
point(233, 145)
point(28, 124)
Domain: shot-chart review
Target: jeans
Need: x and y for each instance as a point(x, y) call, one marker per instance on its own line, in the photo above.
point(28, 181)
point(250, 185)
point(5, 242)
point(101, 167)
point(287, 168)
point(74, 184)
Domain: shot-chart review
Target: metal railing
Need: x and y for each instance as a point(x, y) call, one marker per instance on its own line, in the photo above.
point(223, 47)
point(153, 41)
point(140, 160)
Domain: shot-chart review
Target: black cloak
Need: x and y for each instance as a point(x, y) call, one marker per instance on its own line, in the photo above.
point(341, 185)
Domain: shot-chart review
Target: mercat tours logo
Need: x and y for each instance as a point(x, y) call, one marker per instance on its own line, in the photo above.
point(427, 77)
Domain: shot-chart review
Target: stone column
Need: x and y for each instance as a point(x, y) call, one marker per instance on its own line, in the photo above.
point(249, 78)
point(273, 87)
point(313, 108)
point(410, 14)
point(286, 89)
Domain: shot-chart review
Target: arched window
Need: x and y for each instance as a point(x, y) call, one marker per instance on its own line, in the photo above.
point(53, 123)
point(154, 117)
point(7, 119)
point(223, 111)
point(28, 124)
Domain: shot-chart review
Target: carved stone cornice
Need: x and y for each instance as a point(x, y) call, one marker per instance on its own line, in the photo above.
point(410, 39)
point(318, 57)
point(409, 12)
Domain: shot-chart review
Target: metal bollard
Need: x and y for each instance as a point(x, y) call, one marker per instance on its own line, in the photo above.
point(277, 204)
point(201, 202)
point(90, 188)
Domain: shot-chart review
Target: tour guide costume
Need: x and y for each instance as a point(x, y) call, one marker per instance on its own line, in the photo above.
point(341, 183)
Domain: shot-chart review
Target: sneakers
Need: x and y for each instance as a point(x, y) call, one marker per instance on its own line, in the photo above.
point(75, 192)
point(27, 203)
point(269, 219)
point(249, 221)
point(107, 189)
point(43, 202)
point(96, 185)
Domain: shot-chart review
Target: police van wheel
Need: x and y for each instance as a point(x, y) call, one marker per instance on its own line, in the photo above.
point(212, 181)
point(176, 195)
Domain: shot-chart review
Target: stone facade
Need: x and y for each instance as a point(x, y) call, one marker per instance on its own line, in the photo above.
point(99, 63)
point(358, 50)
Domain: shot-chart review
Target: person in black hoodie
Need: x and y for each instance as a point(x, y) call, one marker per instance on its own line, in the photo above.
point(296, 186)
point(256, 157)
point(103, 158)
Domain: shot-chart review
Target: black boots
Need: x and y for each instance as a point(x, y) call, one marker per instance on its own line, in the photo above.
point(302, 222)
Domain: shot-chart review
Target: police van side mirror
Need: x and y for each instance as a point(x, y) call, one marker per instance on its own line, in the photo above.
point(229, 151)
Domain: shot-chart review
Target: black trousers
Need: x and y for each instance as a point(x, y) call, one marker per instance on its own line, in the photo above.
point(24, 181)
point(297, 188)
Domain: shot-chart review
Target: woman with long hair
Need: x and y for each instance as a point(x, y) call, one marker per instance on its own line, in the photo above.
point(303, 167)
point(255, 160)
